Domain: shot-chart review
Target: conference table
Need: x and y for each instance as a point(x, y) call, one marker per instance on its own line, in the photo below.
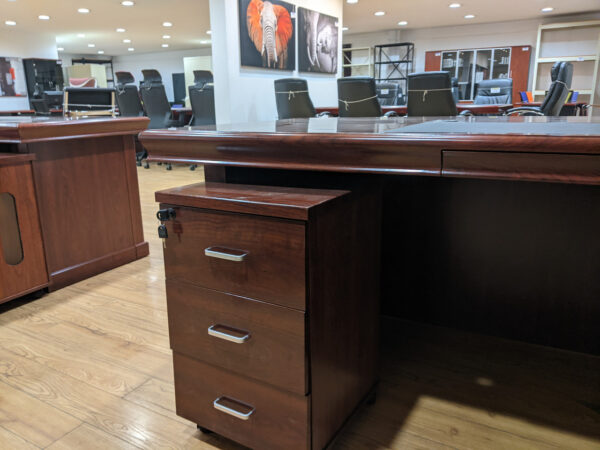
point(402, 109)
point(489, 224)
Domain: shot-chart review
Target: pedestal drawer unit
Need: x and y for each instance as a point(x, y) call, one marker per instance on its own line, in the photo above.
point(272, 297)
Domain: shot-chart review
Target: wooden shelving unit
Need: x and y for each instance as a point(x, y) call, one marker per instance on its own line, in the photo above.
point(583, 70)
point(364, 56)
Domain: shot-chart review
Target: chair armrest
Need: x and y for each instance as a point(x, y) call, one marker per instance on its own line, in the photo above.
point(525, 110)
point(391, 114)
point(324, 114)
point(466, 112)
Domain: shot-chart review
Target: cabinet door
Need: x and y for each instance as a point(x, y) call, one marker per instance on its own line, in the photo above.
point(22, 261)
point(520, 58)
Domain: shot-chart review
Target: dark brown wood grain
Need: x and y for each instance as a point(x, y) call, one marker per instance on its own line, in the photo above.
point(275, 353)
point(281, 420)
point(30, 274)
point(274, 270)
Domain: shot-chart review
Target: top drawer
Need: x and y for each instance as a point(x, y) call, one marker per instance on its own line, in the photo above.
point(252, 256)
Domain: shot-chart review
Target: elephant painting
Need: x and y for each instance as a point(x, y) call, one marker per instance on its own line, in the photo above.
point(318, 42)
point(270, 30)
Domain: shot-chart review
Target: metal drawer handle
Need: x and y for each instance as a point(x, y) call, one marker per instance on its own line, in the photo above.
point(233, 412)
point(227, 336)
point(225, 253)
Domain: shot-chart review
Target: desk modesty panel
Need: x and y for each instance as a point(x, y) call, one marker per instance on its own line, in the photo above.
point(86, 188)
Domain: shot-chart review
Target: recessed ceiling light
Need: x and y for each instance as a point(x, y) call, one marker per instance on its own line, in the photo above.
point(403, 23)
point(548, 9)
point(205, 42)
point(120, 30)
point(166, 36)
point(44, 17)
point(454, 5)
point(209, 32)
point(101, 52)
point(380, 13)
point(10, 23)
point(351, 1)
point(345, 28)
point(127, 3)
point(469, 16)
point(83, 10)
point(165, 45)
point(60, 49)
point(91, 45)
point(131, 49)
point(81, 35)
point(167, 24)
point(126, 41)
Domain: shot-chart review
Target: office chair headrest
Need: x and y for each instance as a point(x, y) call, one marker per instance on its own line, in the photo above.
point(564, 74)
point(291, 84)
point(554, 71)
point(203, 76)
point(495, 87)
point(429, 80)
point(151, 76)
point(124, 78)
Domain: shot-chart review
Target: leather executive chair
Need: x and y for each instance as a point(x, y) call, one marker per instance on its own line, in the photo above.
point(494, 92)
point(387, 93)
point(430, 94)
point(357, 97)
point(128, 97)
point(562, 76)
point(293, 101)
point(455, 89)
point(155, 102)
point(202, 98)
point(202, 77)
point(40, 107)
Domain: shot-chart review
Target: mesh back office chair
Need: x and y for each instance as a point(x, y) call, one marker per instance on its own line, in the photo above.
point(430, 94)
point(155, 102)
point(562, 76)
point(387, 94)
point(128, 98)
point(494, 92)
point(202, 99)
point(357, 97)
point(293, 101)
point(202, 77)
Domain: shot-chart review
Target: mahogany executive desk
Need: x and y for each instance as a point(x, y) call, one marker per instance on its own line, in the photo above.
point(86, 188)
point(489, 224)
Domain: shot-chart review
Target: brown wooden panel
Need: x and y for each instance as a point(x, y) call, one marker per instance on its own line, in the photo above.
point(280, 419)
point(519, 70)
point(273, 271)
point(274, 353)
point(433, 61)
point(577, 169)
point(30, 274)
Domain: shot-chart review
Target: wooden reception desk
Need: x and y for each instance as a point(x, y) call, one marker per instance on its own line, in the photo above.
point(86, 189)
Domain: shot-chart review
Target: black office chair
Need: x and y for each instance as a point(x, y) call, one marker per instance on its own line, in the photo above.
point(40, 107)
point(292, 99)
point(562, 76)
point(127, 95)
point(455, 89)
point(155, 102)
point(494, 92)
point(202, 99)
point(430, 94)
point(357, 97)
point(387, 93)
point(202, 77)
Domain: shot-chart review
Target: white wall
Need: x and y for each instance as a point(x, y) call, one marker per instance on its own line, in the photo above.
point(167, 63)
point(14, 43)
point(245, 94)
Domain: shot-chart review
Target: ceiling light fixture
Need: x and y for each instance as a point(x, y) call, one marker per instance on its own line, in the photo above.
point(166, 36)
point(165, 45)
point(469, 16)
point(167, 24)
point(131, 49)
point(548, 9)
point(209, 32)
point(126, 41)
point(91, 45)
point(352, 2)
point(127, 3)
point(380, 13)
point(454, 5)
point(44, 17)
point(101, 52)
point(60, 49)
point(10, 23)
point(83, 10)
point(403, 23)
point(81, 35)
point(120, 30)
point(345, 28)
point(205, 42)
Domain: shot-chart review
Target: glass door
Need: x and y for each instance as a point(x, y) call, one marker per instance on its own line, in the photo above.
point(449, 63)
point(501, 66)
point(464, 73)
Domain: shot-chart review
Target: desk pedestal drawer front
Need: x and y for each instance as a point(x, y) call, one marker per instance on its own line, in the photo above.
point(249, 412)
point(551, 167)
point(252, 256)
point(254, 339)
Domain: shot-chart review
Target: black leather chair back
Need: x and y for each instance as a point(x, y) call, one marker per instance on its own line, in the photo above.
point(203, 104)
point(155, 102)
point(202, 77)
point(387, 93)
point(127, 96)
point(357, 97)
point(40, 106)
point(292, 99)
point(455, 90)
point(494, 92)
point(562, 76)
point(430, 94)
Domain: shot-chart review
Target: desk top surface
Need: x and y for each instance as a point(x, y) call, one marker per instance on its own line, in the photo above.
point(32, 129)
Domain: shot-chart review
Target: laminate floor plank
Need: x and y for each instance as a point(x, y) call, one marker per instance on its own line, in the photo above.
point(9, 440)
point(90, 438)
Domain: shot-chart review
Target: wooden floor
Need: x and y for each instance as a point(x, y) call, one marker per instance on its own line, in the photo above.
point(89, 367)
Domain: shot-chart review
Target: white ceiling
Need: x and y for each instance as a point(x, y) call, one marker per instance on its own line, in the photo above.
point(143, 22)
point(190, 19)
point(360, 17)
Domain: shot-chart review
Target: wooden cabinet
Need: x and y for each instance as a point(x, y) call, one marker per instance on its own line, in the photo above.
point(473, 65)
point(272, 297)
point(22, 261)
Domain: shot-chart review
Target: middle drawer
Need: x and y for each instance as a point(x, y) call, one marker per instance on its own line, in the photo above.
point(255, 339)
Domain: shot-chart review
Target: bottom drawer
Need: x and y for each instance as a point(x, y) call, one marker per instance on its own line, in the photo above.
point(245, 411)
